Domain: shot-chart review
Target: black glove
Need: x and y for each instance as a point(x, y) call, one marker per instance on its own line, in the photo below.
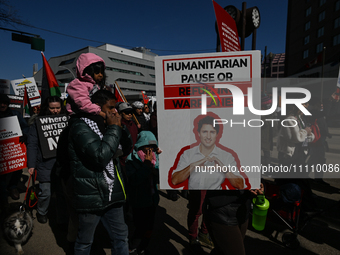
point(23, 139)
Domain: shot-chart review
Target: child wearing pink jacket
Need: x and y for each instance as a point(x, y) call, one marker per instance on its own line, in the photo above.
point(90, 78)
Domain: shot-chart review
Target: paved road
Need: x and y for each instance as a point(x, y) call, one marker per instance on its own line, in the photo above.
point(320, 235)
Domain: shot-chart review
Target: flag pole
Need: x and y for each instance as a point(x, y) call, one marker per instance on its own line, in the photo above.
point(322, 71)
point(133, 115)
point(120, 91)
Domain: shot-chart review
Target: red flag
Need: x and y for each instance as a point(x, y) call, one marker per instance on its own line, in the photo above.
point(316, 60)
point(50, 86)
point(145, 98)
point(26, 103)
point(118, 94)
point(227, 30)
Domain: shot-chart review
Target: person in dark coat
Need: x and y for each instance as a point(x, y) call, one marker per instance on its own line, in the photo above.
point(227, 213)
point(142, 171)
point(126, 111)
point(51, 106)
point(138, 111)
point(98, 185)
point(9, 182)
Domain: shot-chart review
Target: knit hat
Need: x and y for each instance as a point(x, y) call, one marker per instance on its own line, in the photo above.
point(123, 107)
point(138, 104)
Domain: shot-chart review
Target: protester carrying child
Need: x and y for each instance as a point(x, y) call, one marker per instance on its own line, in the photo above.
point(98, 186)
point(35, 160)
point(142, 171)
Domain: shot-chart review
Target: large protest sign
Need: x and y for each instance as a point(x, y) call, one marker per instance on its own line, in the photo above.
point(12, 152)
point(49, 129)
point(203, 107)
point(32, 90)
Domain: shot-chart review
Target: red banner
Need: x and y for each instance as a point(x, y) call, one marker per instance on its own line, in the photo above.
point(227, 30)
point(188, 90)
point(12, 155)
point(195, 103)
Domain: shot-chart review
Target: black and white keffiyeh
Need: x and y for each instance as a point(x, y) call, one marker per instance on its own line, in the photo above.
point(108, 172)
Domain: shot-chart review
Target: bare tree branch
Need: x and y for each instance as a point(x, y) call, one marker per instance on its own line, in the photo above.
point(9, 15)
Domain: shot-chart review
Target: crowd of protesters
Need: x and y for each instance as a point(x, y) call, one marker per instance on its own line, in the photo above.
point(107, 169)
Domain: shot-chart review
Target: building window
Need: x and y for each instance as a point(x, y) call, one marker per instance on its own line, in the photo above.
point(336, 40)
point(337, 22)
point(124, 71)
point(66, 62)
point(308, 11)
point(306, 40)
point(305, 54)
point(319, 47)
point(322, 2)
point(321, 31)
point(132, 63)
point(322, 16)
point(64, 71)
point(136, 82)
point(337, 5)
point(307, 26)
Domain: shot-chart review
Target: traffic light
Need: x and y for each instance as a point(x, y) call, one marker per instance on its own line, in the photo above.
point(37, 43)
point(252, 19)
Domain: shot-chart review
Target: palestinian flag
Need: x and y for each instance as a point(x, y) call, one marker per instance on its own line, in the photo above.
point(145, 98)
point(27, 105)
point(118, 94)
point(49, 86)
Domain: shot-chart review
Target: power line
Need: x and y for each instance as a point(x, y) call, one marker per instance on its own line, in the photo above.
point(125, 46)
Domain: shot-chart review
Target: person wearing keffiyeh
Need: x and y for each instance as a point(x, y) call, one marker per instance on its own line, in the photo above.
point(94, 145)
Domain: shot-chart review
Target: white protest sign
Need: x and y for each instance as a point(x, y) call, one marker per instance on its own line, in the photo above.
point(31, 87)
point(12, 152)
point(214, 149)
point(9, 128)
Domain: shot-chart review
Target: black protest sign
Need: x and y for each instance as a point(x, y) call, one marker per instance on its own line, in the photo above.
point(49, 129)
point(16, 103)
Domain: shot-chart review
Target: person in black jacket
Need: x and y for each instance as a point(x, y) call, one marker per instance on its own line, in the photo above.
point(51, 106)
point(226, 214)
point(138, 111)
point(10, 181)
point(94, 147)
